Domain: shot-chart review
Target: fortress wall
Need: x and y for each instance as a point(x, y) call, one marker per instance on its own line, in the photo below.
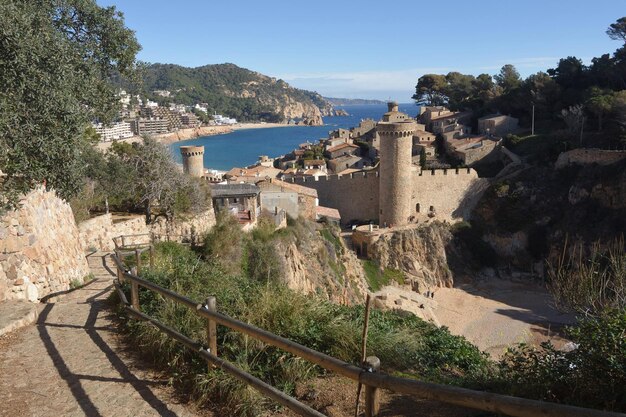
point(449, 191)
point(589, 156)
point(354, 195)
point(40, 248)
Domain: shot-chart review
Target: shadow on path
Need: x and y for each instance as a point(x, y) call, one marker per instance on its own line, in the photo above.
point(73, 380)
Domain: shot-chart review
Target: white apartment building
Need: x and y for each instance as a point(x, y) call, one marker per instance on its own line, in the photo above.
point(119, 130)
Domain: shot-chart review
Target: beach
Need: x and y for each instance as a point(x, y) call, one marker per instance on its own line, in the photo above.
point(185, 134)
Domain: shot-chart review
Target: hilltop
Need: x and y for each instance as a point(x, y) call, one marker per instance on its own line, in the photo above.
point(348, 101)
point(237, 92)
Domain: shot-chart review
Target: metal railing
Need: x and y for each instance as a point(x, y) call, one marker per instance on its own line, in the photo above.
point(368, 375)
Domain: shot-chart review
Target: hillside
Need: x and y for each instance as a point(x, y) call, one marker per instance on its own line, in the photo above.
point(234, 91)
point(351, 101)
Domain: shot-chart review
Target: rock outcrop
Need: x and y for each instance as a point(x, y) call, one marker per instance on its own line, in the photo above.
point(313, 264)
point(40, 248)
point(419, 252)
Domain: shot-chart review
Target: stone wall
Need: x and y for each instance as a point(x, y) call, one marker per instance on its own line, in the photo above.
point(451, 192)
point(354, 195)
point(40, 248)
point(589, 156)
point(98, 233)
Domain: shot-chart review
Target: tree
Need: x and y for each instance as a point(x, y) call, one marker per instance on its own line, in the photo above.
point(508, 78)
point(56, 58)
point(460, 90)
point(600, 102)
point(423, 158)
point(430, 90)
point(617, 30)
point(574, 118)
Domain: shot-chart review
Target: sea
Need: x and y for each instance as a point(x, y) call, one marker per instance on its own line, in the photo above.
point(242, 148)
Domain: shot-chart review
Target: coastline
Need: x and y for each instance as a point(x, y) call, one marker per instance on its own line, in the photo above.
point(186, 134)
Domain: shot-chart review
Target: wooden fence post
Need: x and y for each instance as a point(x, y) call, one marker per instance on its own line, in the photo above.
point(138, 259)
point(211, 328)
point(372, 394)
point(134, 295)
point(151, 256)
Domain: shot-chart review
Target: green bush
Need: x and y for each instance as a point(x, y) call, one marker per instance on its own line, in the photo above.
point(593, 374)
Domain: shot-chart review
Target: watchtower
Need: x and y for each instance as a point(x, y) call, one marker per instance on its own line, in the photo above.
point(193, 160)
point(396, 141)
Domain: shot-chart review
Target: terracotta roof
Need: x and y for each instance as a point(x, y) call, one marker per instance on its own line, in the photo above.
point(327, 212)
point(300, 189)
point(341, 146)
point(451, 116)
point(314, 162)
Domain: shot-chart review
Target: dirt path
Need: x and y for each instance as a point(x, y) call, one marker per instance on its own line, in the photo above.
point(71, 363)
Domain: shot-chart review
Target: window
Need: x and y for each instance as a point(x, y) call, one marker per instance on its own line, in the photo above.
point(417, 207)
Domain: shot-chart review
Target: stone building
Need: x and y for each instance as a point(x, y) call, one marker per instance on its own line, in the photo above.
point(295, 199)
point(397, 192)
point(497, 124)
point(471, 149)
point(193, 160)
point(241, 200)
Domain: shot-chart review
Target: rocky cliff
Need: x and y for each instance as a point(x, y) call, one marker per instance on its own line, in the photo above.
point(315, 260)
point(235, 92)
point(420, 253)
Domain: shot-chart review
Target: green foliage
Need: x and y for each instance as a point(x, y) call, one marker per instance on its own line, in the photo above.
point(222, 87)
point(589, 282)
point(593, 374)
point(377, 278)
point(404, 343)
point(56, 58)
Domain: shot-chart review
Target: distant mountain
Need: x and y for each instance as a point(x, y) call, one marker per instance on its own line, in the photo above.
point(347, 101)
point(234, 91)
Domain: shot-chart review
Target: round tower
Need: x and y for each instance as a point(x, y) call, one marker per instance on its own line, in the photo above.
point(396, 142)
point(193, 160)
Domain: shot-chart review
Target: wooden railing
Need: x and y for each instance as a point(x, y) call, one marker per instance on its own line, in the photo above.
point(367, 375)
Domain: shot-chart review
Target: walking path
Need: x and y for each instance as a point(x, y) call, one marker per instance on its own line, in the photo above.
point(72, 363)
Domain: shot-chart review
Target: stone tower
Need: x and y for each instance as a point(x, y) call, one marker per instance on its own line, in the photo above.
point(396, 142)
point(193, 160)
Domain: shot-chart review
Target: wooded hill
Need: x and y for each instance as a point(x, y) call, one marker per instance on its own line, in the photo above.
point(230, 90)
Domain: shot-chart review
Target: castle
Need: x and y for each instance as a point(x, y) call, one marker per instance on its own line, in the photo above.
point(396, 192)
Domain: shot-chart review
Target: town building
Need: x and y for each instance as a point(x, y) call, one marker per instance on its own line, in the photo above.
point(296, 200)
point(149, 126)
point(497, 125)
point(342, 149)
point(240, 200)
point(471, 149)
point(114, 131)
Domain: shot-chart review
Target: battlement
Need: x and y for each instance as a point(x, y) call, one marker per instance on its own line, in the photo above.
point(396, 129)
point(192, 150)
point(333, 177)
point(450, 171)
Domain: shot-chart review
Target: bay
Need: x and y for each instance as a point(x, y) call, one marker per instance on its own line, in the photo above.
point(243, 147)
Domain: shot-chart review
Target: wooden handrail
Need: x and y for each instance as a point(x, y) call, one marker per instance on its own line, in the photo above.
point(480, 400)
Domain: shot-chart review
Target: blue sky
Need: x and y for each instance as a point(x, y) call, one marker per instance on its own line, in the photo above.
point(370, 49)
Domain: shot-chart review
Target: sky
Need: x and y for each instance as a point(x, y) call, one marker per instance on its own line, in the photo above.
point(367, 49)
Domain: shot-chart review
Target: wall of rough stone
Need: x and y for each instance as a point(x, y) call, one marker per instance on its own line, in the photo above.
point(589, 156)
point(98, 232)
point(40, 248)
point(451, 192)
point(354, 195)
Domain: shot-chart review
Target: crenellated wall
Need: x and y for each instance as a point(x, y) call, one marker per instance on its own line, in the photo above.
point(451, 192)
point(589, 156)
point(40, 248)
point(354, 195)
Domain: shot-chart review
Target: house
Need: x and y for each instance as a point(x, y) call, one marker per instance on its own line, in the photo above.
point(497, 124)
point(319, 164)
point(343, 149)
point(426, 141)
point(251, 175)
point(450, 121)
point(331, 215)
point(241, 200)
point(472, 149)
point(347, 161)
point(296, 200)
